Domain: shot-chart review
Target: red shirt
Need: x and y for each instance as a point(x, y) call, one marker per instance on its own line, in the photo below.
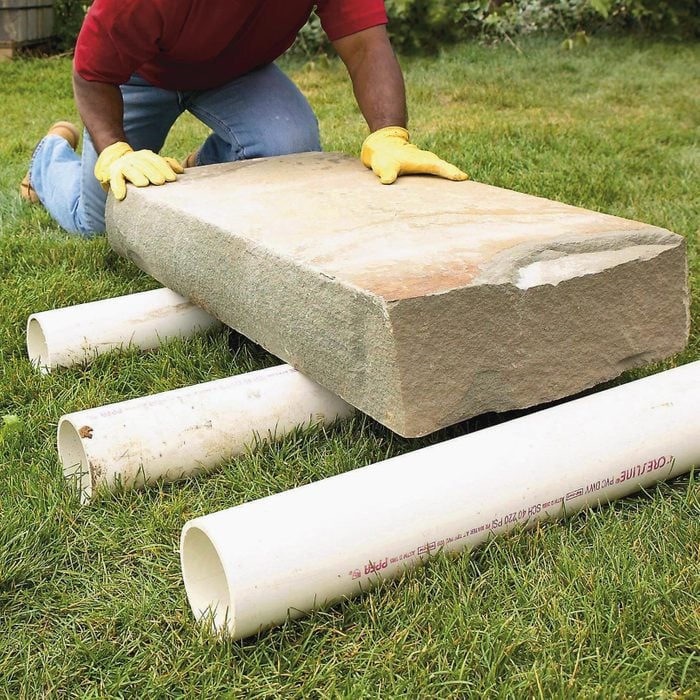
point(200, 44)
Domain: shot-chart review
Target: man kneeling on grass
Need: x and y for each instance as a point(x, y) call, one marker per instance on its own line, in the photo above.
point(140, 63)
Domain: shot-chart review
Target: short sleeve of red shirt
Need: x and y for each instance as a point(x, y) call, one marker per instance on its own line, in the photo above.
point(116, 39)
point(340, 18)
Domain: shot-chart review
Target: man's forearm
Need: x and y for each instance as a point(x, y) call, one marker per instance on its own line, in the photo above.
point(376, 77)
point(379, 89)
point(102, 110)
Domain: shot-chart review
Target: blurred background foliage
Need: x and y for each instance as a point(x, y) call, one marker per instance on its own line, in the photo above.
point(425, 25)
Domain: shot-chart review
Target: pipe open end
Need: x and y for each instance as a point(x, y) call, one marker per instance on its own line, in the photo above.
point(37, 347)
point(205, 580)
point(76, 466)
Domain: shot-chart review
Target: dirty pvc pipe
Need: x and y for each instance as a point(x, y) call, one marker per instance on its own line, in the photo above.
point(250, 567)
point(174, 434)
point(76, 334)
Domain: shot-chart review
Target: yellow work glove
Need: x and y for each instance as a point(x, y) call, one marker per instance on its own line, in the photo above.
point(389, 154)
point(120, 163)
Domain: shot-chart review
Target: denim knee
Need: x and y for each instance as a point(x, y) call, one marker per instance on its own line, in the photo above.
point(289, 138)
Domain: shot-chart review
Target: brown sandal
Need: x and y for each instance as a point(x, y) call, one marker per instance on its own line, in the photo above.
point(191, 160)
point(26, 191)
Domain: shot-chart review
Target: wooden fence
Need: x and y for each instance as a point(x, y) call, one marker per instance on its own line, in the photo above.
point(24, 22)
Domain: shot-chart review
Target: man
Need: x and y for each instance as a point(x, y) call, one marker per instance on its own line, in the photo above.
point(140, 63)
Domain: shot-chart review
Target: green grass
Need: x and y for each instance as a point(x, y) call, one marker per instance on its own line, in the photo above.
point(606, 604)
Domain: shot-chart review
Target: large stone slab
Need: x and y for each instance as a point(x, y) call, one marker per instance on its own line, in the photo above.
point(422, 303)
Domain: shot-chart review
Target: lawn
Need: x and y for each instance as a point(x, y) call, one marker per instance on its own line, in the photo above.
point(606, 604)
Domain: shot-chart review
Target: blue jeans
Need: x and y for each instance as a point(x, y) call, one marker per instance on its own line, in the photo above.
point(259, 114)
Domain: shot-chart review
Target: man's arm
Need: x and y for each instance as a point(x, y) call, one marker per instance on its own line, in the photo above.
point(102, 110)
point(379, 89)
point(376, 77)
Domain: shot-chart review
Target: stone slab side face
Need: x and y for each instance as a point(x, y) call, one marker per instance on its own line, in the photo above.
point(422, 303)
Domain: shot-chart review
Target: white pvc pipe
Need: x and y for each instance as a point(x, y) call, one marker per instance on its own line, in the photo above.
point(171, 435)
point(76, 334)
point(250, 567)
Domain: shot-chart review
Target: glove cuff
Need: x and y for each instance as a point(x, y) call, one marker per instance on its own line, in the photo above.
point(108, 156)
point(388, 132)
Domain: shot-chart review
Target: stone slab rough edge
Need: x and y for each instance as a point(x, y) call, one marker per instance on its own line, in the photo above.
point(392, 351)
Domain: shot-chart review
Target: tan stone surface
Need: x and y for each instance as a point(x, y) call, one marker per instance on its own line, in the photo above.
point(422, 303)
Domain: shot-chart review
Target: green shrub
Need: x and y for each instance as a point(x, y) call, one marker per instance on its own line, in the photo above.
point(425, 25)
point(68, 17)
point(674, 18)
point(668, 18)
